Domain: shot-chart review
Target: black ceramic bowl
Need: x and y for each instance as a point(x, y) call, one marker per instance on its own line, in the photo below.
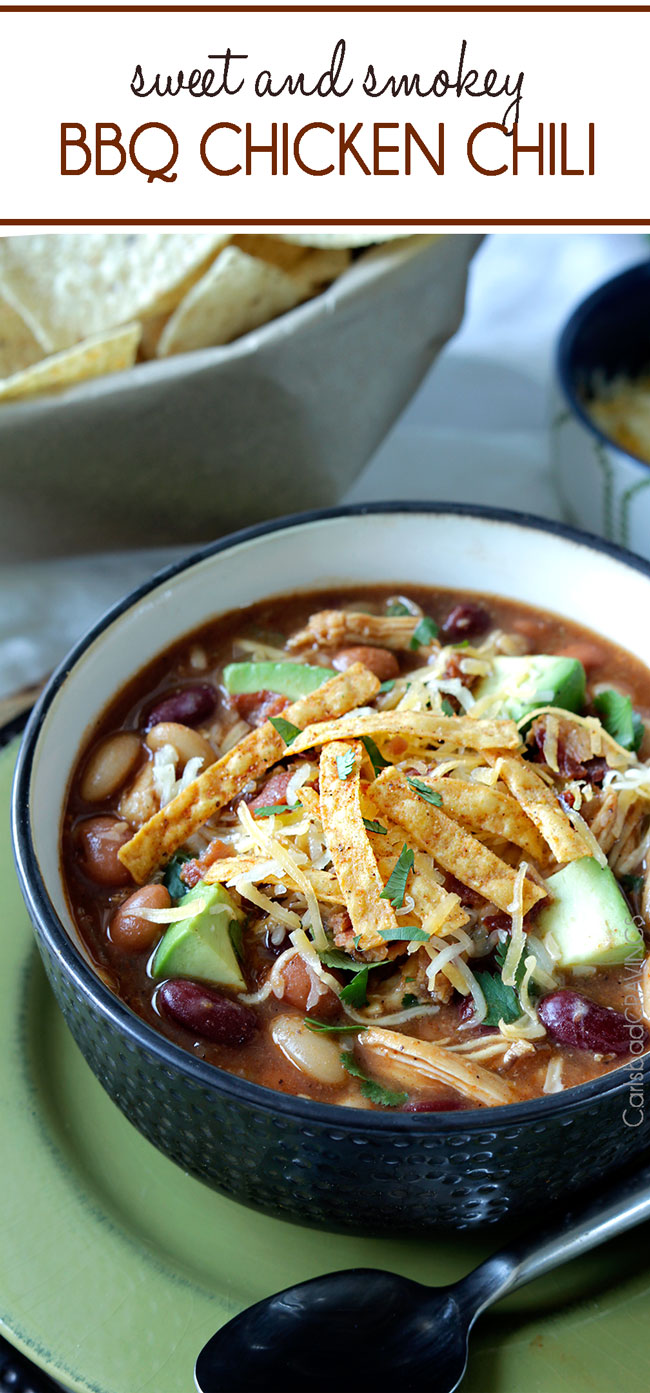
point(603, 487)
point(335, 1166)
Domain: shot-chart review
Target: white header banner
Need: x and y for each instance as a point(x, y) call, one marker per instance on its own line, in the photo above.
point(390, 117)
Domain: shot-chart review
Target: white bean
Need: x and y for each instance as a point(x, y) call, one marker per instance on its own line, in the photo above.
point(139, 801)
point(312, 1054)
point(109, 766)
point(188, 743)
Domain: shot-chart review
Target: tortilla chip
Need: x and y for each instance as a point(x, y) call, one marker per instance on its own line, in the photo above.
point(231, 868)
point(94, 357)
point(20, 347)
point(238, 293)
point(347, 840)
point(319, 268)
point(417, 726)
point(456, 850)
point(341, 239)
point(419, 1063)
point(484, 808)
point(332, 627)
point(541, 806)
point(276, 250)
point(162, 835)
point(71, 286)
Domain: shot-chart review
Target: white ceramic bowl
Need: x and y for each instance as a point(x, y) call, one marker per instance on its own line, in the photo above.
point(603, 488)
point(291, 1154)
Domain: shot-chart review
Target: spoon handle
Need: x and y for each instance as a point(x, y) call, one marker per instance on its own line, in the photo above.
point(584, 1226)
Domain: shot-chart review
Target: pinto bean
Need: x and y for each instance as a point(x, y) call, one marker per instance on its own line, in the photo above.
point(206, 1012)
point(128, 929)
point(297, 989)
point(187, 706)
point(591, 655)
point(574, 1020)
point(258, 707)
point(384, 664)
point(188, 743)
point(312, 1054)
point(465, 621)
point(109, 766)
point(100, 839)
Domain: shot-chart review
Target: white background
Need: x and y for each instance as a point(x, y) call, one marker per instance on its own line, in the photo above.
point(77, 67)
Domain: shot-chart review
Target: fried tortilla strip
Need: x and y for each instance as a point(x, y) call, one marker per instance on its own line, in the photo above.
point(459, 731)
point(161, 836)
point(438, 910)
point(331, 627)
point(410, 1063)
point(541, 806)
point(232, 868)
point(347, 840)
point(483, 808)
point(456, 850)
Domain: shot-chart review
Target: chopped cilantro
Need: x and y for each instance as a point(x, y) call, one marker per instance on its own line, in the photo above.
point(632, 883)
point(334, 957)
point(447, 708)
point(619, 719)
point(409, 1000)
point(388, 685)
point(345, 764)
point(376, 758)
point(462, 643)
point(395, 887)
point(500, 953)
point(397, 609)
point(406, 933)
point(172, 877)
point(236, 931)
point(502, 1001)
point(354, 991)
point(424, 633)
point(270, 808)
point(429, 794)
point(371, 826)
point(284, 728)
point(322, 1028)
point(373, 1091)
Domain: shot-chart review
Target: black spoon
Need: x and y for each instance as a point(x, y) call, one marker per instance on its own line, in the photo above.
point(374, 1332)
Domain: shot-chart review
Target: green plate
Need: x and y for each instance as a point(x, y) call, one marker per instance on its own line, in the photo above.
point(116, 1266)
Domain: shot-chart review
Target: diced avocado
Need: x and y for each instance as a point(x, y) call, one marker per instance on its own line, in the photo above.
point(201, 946)
point(287, 679)
point(519, 685)
point(588, 919)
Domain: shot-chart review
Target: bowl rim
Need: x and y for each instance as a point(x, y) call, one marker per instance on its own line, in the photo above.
point(167, 1053)
point(564, 356)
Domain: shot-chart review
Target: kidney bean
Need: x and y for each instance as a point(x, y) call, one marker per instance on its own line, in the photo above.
point(128, 929)
point(451, 1104)
point(465, 621)
point(297, 989)
point(100, 839)
point(206, 1012)
point(379, 660)
point(574, 1020)
point(273, 791)
point(187, 706)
